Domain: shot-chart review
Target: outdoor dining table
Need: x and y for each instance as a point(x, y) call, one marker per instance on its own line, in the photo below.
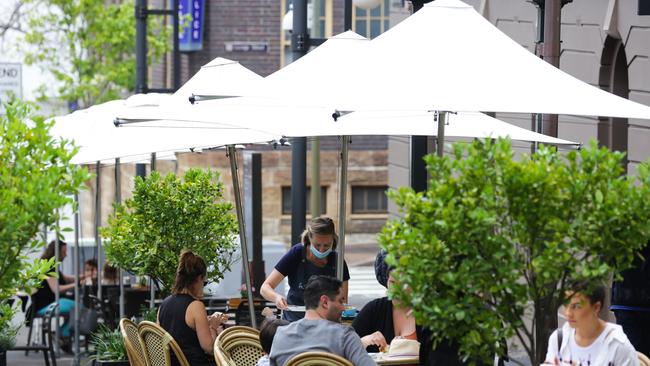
point(382, 359)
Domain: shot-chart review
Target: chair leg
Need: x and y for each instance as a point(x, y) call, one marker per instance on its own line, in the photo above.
point(46, 356)
point(29, 335)
point(42, 332)
point(50, 346)
point(53, 357)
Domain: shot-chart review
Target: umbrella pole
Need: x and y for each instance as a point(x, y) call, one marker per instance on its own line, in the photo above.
point(242, 232)
point(440, 139)
point(75, 265)
point(152, 283)
point(118, 200)
point(98, 223)
point(343, 184)
point(57, 294)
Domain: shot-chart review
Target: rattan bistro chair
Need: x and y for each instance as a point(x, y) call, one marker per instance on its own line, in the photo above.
point(238, 346)
point(643, 359)
point(237, 329)
point(133, 343)
point(158, 344)
point(318, 358)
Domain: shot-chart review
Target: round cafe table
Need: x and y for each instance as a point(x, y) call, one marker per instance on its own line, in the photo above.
point(381, 359)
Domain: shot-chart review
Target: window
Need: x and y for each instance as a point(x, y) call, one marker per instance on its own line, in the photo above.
point(286, 200)
point(644, 7)
point(373, 22)
point(319, 24)
point(369, 200)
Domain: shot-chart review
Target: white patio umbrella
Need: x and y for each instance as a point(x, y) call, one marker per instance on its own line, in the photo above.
point(268, 108)
point(93, 131)
point(98, 139)
point(298, 123)
point(445, 57)
point(221, 76)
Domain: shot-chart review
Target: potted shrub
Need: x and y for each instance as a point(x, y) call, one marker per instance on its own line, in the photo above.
point(495, 238)
point(109, 347)
point(166, 215)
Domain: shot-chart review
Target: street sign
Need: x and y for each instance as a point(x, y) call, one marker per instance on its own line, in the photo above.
point(11, 82)
point(190, 14)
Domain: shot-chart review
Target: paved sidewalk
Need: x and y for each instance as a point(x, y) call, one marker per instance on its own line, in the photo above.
point(36, 358)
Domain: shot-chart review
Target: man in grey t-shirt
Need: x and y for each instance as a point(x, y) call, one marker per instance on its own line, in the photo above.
point(321, 329)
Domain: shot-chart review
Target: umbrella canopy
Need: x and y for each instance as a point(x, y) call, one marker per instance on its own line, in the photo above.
point(445, 57)
point(220, 76)
point(280, 117)
point(309, 121)
point(337, 50)
point(98, 139)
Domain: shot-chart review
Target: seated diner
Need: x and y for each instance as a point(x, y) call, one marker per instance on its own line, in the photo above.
point(184, 316)
point(585, 339)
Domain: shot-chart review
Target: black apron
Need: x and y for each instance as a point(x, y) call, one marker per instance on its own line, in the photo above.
point(298, 281)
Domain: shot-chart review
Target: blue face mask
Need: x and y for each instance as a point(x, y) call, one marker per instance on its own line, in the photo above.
point(318, 254)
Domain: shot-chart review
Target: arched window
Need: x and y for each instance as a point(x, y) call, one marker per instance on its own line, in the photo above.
point(612, 132)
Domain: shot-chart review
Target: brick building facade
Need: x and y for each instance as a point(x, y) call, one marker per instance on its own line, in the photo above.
point(228, 22)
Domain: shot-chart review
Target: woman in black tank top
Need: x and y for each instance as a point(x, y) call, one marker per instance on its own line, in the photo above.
point(184, 316)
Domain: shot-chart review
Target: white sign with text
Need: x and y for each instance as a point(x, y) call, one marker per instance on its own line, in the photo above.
point(11, 82)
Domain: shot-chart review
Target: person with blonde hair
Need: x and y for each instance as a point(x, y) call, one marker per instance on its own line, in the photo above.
point(183, 314)
point(314, 256)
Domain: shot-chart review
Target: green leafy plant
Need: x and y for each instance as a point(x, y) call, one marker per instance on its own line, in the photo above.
point(87, 46)
point(147, 233)
point(8, 331)
point(109, 344)
point(36, 179)
point(496, 238)
point(149, 314)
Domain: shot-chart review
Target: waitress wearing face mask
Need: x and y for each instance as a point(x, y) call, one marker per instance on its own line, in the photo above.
point(314, 256)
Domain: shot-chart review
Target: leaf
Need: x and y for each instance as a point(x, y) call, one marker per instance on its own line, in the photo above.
point(599, 196)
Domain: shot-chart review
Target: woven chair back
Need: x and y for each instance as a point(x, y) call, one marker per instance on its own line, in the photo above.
point(159, 344)
point(133, 343)
point(316, 358)
point(238, 346)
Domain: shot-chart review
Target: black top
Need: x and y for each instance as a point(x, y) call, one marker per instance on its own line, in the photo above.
point(377, 315)
point(295, 265)
point(44, 296)
point(172, 319)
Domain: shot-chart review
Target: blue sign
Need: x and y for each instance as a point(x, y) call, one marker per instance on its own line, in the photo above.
point(190, 15)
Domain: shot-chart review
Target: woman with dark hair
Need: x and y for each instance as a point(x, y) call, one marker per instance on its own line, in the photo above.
point(45, 296)
point(184, 316)
point(90, 272)
point(383, 319)
point(110, 275)
point(585, 339)
point(314, 256)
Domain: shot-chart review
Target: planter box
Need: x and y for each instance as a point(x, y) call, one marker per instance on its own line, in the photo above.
point(3, 358)
point(111, 363)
